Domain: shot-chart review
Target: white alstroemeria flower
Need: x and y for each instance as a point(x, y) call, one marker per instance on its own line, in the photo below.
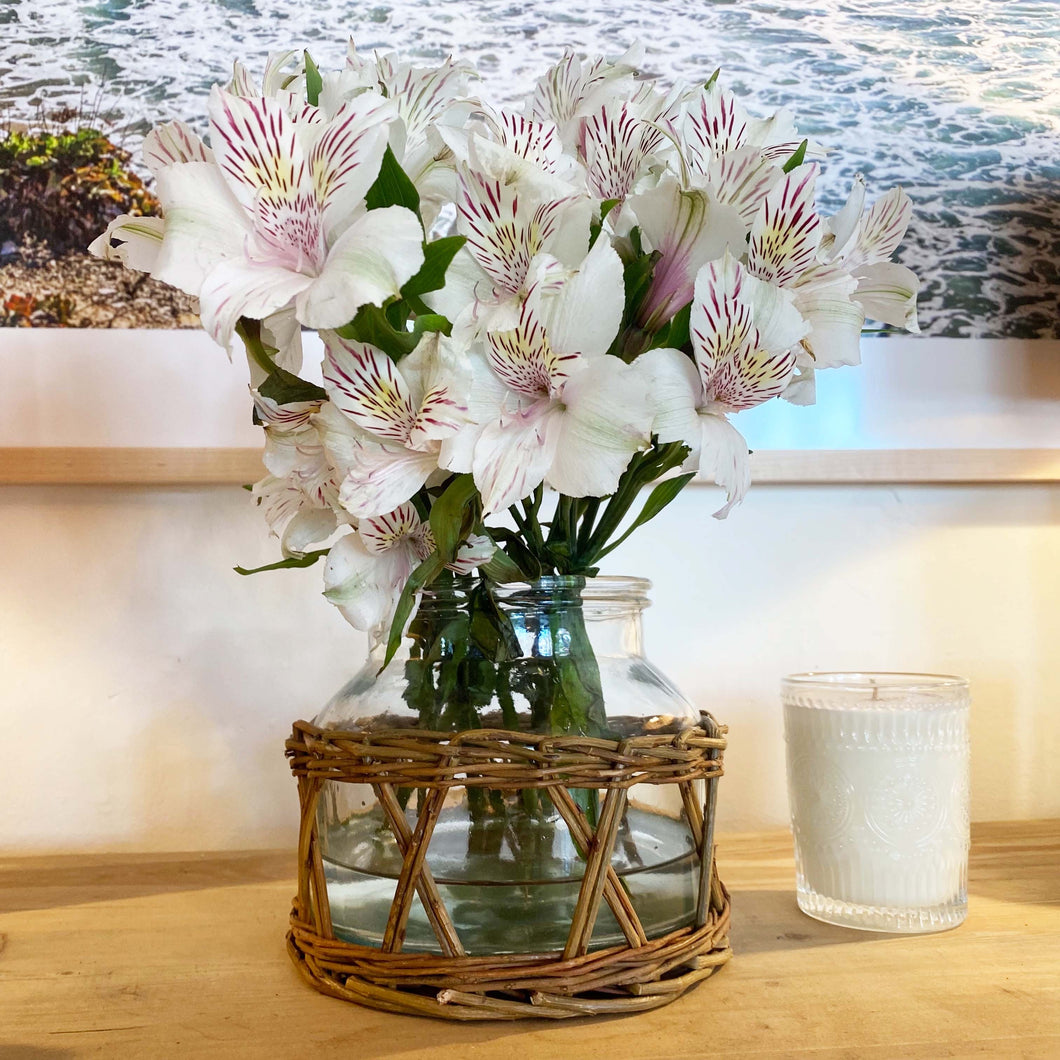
point(574, 417)
point(716, 123)
point(511, 237)
point(573, 88)
point(785, 247)
point(429, 100)
point(512, 149)
point(401, 414)
point(277, 82)
point(688, 227)
point(743, 333)
point(366, 570)
point(136, 241)
point(299, 496)
point(886, 290)
point(684, 414)
point(621, 138)
point(276, 222)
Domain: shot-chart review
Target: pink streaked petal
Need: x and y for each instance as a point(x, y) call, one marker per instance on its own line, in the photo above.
point(257, 147)
point(477, 550)
point(613, 149)
point(242, 83)
point(750, 375)
point(280, 501)
point(440, 415)
point(536, 141)
point(422, 93)
point(786, 232)
point(503, 233)
point(559, 90)
point(384, 532)
point(345, 160)
point(882, 228)
point(523, 358)
point(721, 320)
point(173, 142)
point(365, 385)
point(285, 417)
point(245, 288)
point(379, 477)
point(513, 454)
point(742, 179)
point(716, 123)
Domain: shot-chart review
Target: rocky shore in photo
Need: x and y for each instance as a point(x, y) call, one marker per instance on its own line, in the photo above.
point(77, 290)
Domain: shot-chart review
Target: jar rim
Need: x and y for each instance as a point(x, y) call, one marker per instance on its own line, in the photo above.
point(599, 587)
point(875, 681)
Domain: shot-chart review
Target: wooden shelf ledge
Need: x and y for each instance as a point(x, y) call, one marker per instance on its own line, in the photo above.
point(126, 466)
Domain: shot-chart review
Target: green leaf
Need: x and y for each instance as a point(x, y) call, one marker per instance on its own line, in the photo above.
point(713, 78)
point(281, 386)
point(422, 576)
point(306, 560)
point(392, 187)
point(313, 81)
point(285, 388)
point(658, 499)
point(501, 569)
point(437, 257)
point(596, 226)
point(371, 325)
point(452, 515)
point(797, 158)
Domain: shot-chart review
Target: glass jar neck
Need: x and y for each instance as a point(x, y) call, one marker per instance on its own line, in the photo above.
point(549, 617)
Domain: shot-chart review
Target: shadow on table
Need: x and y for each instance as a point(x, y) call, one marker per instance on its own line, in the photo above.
point(52, 882)
point(766, 921)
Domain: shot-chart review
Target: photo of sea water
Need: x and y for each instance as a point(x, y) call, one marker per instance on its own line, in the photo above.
point(957, 100)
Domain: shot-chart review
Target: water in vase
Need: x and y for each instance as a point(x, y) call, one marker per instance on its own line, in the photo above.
point(509, 880)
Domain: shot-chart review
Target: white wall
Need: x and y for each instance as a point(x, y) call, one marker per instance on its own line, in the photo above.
point(145, 689)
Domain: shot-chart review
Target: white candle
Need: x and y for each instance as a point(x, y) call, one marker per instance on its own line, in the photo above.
point(878, 781)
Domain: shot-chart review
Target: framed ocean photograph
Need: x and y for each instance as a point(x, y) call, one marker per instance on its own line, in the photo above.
point(956, 102)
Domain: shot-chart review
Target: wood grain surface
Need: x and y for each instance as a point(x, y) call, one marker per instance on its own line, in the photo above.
point(128, 466)
point(182, 956)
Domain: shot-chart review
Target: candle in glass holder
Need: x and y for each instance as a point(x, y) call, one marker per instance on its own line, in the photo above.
point(878, 784)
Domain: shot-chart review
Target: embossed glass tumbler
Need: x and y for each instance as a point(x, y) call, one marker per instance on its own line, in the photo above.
point(878, 784)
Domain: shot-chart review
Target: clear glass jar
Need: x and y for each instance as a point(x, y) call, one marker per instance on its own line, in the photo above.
point(561, 655)
point(878, 769)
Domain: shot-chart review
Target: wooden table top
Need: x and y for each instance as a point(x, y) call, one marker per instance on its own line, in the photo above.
point(182, 955)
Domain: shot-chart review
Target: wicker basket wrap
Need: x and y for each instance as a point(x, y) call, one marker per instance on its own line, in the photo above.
point(641, 974)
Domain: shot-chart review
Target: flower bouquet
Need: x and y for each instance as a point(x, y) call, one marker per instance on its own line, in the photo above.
point(537, 326)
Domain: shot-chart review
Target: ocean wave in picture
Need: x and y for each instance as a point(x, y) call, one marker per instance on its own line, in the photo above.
point(958, 101)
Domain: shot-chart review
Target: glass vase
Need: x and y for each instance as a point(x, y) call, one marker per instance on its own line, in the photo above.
point(559, 656)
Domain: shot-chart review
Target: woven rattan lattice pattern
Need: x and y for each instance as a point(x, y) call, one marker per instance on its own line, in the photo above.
point(643, 973)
